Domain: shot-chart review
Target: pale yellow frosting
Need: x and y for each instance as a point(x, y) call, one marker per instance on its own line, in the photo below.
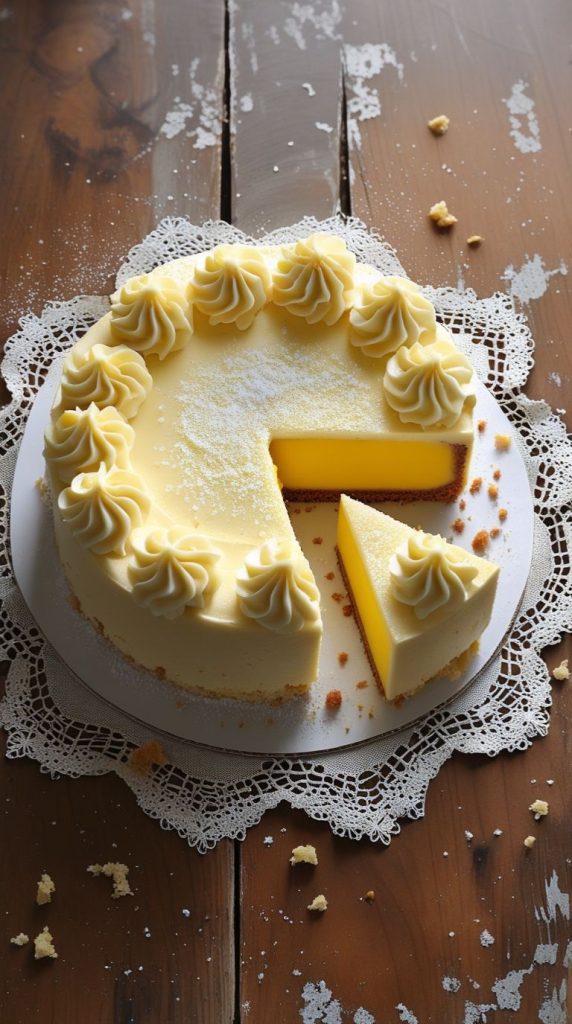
point(81, 439)
point(102, 508)
point(171, 570)
point(233, 284)
point(105, 375)
point(277, 589)
point(391, 312)
point(428, 384)
point(152, 315)
point(315, 279)
point(426, 575)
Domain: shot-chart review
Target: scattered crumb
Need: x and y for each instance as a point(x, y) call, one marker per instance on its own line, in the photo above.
point(44, 491)
point(441, 216)
point(44, 945)
point(475, 240)
point(333, 699)
point(304, 855)
point(462, 505)
point(561, 672)
point(502, 442)
point(476, 485)
point(529, 842)
point(439, 125)
point(503, 513)
point(118, 872)
point(342, 658)
point(369, 896)
point(539, 808)
point(468, 835)
point(497, 474)
point(481, 426)
point(330, 576)
point(337, 597)
point(480, 542)
point(493, 492)
point(46, 887)
point(147, 757)
point(318, 903)
point(317, 540)
point(458, 525)
point(347, 610)
point(20, 939)
point(494, 532)
point(268, 840)
point(497, 832)
point(362, 684)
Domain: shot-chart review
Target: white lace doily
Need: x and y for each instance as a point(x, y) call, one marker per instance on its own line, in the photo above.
point(206, 795)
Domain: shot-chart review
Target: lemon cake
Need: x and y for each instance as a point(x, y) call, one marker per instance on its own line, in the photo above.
point(421, 603)
point(216, 387)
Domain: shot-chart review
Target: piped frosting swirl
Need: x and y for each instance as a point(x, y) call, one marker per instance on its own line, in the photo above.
point(152, 315)
point(392, 311)
point(426, 575)
point(276, 588)
point(428, 385)
point(232, 286)
point(102, 508)
point(172, 570)
point(315, 279)
point(81, 439)
point(105, 375)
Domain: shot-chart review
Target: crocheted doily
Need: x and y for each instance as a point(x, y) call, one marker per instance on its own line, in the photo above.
point(207, 795)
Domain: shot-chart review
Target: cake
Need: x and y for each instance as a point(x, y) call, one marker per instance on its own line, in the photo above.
point(421, 602)
point(215, 388)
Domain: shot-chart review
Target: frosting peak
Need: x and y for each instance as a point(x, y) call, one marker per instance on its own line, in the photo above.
point(105, 375)
point(428, 385)
point(426, 574)
point(151, 315)
point(172, 570)
point(81, 439)
point(232, 286)
point(277, 589)
point(102, 508)
point(315, 279)
point(392, 312)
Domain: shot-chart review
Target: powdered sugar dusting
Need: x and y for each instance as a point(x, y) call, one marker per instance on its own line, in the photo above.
point(532, 279)
point(309, 22)
point(553, 1009)
point(546, 953)
point(451, 984)
point(524, 127)
point(507, 989)
point(406, 1015)
point(319, 1005)
point(199, 119)
point(362, 63)
point(486, 938)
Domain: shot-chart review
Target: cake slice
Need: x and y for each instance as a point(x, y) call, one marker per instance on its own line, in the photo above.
point(421, 602)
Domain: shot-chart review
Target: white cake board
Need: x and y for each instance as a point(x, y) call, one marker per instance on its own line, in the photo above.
point(302, 725)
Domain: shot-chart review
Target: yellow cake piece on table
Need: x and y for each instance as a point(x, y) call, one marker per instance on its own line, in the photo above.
point(421, 602)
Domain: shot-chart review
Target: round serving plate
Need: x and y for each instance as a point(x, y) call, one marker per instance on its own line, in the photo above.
point(302, 725)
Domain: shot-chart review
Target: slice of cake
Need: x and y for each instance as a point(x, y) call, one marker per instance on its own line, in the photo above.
point(421, 602)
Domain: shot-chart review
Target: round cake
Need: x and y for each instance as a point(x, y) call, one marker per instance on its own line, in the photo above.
point(216, 388)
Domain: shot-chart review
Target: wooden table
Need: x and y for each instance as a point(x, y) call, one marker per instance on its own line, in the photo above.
point(115, 115)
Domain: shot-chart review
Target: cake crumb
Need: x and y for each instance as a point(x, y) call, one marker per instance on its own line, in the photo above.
point(343, 658)
point(370, 896)
point(330, 576)
point(304, 855)
point(493, 492)
point(502, 442)
point(347, 610)
point(539, 808)
point(529, 842)
point(46, 887)
point(561, 672)
point(503, 513)
point(458, 525)
point(44, 491)
point(317, 540)
point(476, 485)
point(494, 532)
point(481, 426)
point(462, 505)
point(439, 124)
point(475, 240)
point(20, 939)
point(44, 945)
point(362, 684)
point(337, 597)
point(148, 756)
point(497, 474)
point(318, 903)
point(440, 215)
point(333, 699)
point(480, 542)
point(118, 873)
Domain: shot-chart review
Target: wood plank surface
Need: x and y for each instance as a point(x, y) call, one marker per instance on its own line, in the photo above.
point(113, 124)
